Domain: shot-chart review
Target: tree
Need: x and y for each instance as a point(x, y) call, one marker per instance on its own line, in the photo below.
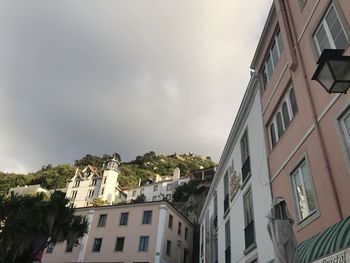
point(139, 199)
point(29, 223)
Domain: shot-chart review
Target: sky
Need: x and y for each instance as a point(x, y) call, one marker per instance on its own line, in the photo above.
point(96, 77)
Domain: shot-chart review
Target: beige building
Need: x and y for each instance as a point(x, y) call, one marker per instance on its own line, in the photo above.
point(145, 232)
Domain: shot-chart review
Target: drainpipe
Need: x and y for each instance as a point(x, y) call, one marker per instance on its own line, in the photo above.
point(290, 26)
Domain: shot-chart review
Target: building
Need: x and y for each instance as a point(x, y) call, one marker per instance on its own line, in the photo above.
point(151, 232)
point(307, 130)
point(232, 221)
point(28, 189)
point(203, 175)
point(90, 184)
point(159, 188)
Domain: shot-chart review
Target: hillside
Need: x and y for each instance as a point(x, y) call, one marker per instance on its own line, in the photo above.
point(143, 167)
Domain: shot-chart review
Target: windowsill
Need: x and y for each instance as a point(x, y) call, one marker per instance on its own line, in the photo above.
point(308, 220)
point(118, 251)
point(250, 248)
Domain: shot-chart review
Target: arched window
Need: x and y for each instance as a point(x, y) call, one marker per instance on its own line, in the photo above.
point(293, 101)
point(279, 124)
point(273, 135)
point(285, 114)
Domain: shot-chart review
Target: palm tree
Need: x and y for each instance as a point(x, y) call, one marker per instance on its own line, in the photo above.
point(29, 223)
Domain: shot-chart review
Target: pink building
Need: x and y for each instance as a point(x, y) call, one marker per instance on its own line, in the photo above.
point(307, 130)
point(145, 232)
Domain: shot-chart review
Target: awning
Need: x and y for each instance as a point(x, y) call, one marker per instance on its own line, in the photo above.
point(335, 238)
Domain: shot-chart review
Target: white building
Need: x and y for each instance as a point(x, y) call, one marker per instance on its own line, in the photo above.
point(161, 188)
point(28, 189)
point(89, 184)
point(232, 221)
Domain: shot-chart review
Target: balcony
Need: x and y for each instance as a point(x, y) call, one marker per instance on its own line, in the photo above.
point(216, 222)
point(226, 203)
point(228, 255)
point(249, 234)
point(246, 170)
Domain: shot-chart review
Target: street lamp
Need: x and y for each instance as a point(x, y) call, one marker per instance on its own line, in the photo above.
point(333, 71)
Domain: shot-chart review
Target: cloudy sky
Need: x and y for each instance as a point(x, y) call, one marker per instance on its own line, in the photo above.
point(79, 77)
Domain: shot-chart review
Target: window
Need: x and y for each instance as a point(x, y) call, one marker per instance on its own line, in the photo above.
point(330, 33)
point(133, 193)
point(245, 156)
point(50, 247)
point(168, 187)
point(179, 229)
point(147, 217)
point(155, 188)
point(226, 195)
point(74, 194)
point(168, 196)
point(170, 222)
point(272, 58)
point(249, 231)
point(77, 183)
point(102, 220)
point(90, 193)
point(103, 190)
point(94, 182)
point(97, 245)
point(69, 247)
point(283, 116)
point(186, 233)
point(119, 245)
point(168, 248)
point(227, 242)
point(303, 191)
point(143, 246)
point(154, 198)
point(345, 127)
point(142, 191)
point(302, 3)
point(104, 181)
point(124, 219)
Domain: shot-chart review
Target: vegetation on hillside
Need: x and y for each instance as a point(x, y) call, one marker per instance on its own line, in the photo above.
point(143, 167)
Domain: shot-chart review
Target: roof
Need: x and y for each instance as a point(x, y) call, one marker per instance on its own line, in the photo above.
point(332, 239)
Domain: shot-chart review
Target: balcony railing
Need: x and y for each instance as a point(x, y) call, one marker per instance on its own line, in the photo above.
point(246, 169)
point(249, 234)
point(228, 255)
point(226, 203)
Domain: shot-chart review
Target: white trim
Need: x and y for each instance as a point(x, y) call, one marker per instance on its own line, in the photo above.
point(327, 108)
point(294, 151)
point(308, 21)
point(275, 88)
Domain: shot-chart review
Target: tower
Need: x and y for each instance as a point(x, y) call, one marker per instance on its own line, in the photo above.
point(109, 181)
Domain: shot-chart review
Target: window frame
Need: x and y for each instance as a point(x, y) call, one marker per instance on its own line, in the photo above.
point(286, 98)
point(102, 222)
point(144, 247)
point(296, 169)
point(147, 220)
point(265, 69)
point(116, 244)
point(322, 23)
point(170, 221)
point(93, 245)
point(179, 228)
point(127, 218)
point(168, 248)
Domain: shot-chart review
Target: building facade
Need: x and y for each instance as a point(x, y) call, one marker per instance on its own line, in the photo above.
point(232, 221)
point(152, 232)
point(307, 130)
point(90, 184)
point(159, 188)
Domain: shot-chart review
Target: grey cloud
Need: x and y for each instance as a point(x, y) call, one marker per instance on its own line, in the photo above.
point(129, 76)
